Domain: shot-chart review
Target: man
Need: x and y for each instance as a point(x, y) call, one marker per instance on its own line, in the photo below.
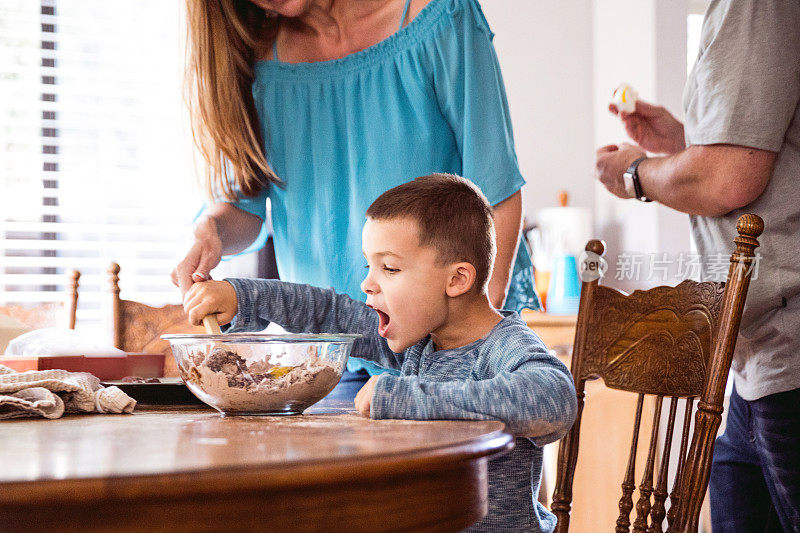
point(739, 152)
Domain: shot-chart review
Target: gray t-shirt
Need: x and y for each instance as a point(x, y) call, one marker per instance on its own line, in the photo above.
point(744, 90)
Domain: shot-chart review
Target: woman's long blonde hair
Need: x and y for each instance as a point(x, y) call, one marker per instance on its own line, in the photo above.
point(223, 36)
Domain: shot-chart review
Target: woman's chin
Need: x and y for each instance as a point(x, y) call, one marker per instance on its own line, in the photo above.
point(286, 8)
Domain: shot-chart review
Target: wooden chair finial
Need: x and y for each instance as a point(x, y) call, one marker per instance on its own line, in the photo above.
point(596, 246)
point(750, 226)
point(72, 303)
point(116, 305)
point(73, 276)
point(113, 277)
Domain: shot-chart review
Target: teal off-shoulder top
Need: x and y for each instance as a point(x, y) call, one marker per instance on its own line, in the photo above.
point(430, 98)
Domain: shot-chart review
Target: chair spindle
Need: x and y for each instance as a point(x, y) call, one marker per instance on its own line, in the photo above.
point(646, 486)
point(658, 512)
point(626, 501)
point(675, 495)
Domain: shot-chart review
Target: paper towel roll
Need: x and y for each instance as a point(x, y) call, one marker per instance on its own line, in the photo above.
point(565, 229)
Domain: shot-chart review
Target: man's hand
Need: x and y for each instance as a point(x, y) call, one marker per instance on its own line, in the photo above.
point(363, 399)
point(653, 128)
point(612, 162)
point(210, 298)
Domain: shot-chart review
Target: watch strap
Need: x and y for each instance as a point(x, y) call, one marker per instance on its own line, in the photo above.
point(633, 172)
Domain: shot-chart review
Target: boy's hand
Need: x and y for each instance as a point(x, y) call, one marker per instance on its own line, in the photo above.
point(363, 399)
point(210, 298)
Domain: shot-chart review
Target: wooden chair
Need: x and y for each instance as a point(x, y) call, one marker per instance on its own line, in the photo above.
point(674, 342)
point(138, 327)
point(48, 314)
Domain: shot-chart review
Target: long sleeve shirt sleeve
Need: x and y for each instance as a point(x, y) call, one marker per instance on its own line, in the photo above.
point(300, 308)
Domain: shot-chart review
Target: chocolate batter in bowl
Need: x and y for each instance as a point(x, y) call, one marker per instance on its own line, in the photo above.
point(258, 374)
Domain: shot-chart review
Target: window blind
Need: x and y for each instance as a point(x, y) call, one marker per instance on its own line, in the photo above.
point(97, 162)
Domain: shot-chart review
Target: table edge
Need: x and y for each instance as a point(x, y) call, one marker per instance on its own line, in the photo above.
point(253, 477)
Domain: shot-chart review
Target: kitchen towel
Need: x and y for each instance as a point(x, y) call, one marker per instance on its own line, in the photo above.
point(50, 393)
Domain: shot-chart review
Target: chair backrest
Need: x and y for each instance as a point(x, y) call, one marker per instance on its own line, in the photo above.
point(674, 342)
point(49, 314)
point(138, 327)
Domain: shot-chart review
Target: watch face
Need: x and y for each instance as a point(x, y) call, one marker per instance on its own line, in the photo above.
point(630, 189)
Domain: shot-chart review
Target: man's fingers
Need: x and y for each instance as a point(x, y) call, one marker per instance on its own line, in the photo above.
point(647, 110)
point(613, 109)
point(607, 148)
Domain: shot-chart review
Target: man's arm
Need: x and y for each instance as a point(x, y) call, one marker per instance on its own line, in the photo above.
point(708, 180)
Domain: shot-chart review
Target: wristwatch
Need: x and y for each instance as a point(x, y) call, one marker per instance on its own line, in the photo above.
point(632, 184)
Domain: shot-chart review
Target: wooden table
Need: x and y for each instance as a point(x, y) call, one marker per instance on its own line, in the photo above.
point(193, 470)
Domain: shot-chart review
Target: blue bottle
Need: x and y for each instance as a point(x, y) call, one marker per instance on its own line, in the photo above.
point(564, 292)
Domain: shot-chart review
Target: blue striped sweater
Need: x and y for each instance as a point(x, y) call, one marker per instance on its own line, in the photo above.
point(508, 375)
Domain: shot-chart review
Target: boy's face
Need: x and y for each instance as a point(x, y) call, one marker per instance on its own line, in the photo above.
point(404, 283)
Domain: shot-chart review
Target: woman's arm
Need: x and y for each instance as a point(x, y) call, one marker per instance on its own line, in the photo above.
point(507, 224)
point(222, 229)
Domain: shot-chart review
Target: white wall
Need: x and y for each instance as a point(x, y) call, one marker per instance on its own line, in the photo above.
point(642, 42)
point(561, 60)
point(545, 51)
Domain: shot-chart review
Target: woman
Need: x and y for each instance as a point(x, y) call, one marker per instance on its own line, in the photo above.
point(320, 106)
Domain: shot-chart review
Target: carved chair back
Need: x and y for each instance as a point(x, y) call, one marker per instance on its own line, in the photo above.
point(138, 327)
point(48, 315)
point(668, 342)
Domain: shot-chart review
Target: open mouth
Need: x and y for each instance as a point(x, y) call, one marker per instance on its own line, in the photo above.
point(383, 322)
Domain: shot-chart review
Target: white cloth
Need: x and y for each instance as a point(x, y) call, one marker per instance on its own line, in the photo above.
point(60, 341)
point(50, 393)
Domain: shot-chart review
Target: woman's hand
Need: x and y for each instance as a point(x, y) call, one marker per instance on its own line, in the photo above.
point(363, 399)
point(203, 256)
point(211, 298)
point(653, 128)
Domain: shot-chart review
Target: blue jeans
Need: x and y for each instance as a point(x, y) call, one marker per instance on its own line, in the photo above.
point(349, 385)
point(755, 473)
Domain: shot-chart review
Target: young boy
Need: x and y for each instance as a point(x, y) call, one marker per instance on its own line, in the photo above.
point(429, 246)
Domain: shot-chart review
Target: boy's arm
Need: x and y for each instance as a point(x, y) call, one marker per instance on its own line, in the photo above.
point(305, 309)
point(535, 399)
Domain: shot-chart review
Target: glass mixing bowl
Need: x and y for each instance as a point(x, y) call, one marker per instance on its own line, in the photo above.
point(258, 374)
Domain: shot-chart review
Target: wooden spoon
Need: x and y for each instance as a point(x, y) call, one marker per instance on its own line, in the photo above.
point(211, 325)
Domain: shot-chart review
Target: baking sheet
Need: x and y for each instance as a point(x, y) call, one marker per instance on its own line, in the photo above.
point(169, 391)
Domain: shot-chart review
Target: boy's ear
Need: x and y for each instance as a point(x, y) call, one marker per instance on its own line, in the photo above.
point(462, 278)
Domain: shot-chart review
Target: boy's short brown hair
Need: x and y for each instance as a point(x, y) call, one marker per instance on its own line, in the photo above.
point(453, 215)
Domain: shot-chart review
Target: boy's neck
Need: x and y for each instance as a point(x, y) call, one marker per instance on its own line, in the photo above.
point(469, 318)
